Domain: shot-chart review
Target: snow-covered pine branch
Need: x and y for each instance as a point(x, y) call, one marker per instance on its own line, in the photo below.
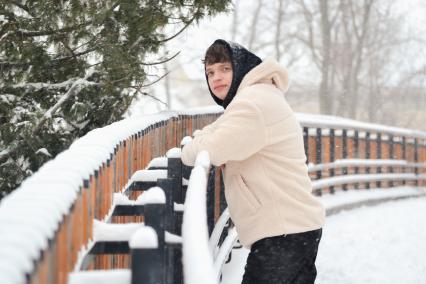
point(75, 89)
point(48, 86)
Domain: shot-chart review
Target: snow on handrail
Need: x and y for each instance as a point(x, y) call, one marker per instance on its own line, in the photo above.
point(338, 180)
point(327, 121)
point(197, 258)
point(358, 163)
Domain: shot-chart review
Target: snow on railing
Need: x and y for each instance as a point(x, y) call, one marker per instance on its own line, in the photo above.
point(358, 163)
point(45, 201)
point(334, 122)
point(197, 258)
point(360, 178)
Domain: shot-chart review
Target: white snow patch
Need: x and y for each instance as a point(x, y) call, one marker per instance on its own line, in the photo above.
point(340, 198)
point(121, 199)
point(380, 244)
point(148, 175)
point(155, 195)
point(145, 237)
point(203, 160)
point(122, 276)
point(103, 232)
point(178, 207)
point(172, 238)
point(358, 178)
point(160, 162)
point(174, 153)
point(44, 152)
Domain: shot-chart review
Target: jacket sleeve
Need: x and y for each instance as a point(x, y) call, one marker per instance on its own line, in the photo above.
point(237, 134)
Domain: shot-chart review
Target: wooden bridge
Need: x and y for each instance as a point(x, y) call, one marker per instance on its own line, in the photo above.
point(110, 208)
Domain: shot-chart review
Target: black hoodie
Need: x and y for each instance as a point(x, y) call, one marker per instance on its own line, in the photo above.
point(242, 62)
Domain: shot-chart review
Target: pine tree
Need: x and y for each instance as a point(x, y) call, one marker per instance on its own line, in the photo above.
point(70, 66)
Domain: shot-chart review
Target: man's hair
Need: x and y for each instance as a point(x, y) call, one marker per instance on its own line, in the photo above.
point(216, 53)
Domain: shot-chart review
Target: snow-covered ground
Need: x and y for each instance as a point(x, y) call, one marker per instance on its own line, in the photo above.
point(379, 244)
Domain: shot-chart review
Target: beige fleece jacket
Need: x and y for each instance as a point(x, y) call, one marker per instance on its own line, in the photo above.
point(259, 140)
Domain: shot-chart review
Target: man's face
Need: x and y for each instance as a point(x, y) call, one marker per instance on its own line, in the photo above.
point(219, 77)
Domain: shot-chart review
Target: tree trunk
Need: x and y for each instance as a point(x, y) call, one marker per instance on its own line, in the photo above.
point(325, 105)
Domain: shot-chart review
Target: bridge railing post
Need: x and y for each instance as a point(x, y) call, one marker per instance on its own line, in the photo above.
point(174, 254)
point(356, 153)
point(148, 248)
point(367, 156)
point(404, 154)
point(318, 152)
point(391, 156)
point(332, 155)
point(345, 153)
point(416, 159)
point(378, 156)
point(306, 143)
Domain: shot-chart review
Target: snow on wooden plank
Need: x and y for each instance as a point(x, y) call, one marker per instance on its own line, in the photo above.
point(145, 237)
point(104, 232)
point(159, 162)
point(116, 276)
point(155, 195)
point(148, 175)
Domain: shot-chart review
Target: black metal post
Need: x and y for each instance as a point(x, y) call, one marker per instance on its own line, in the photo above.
point(356, 153)
point(404, 155)
point(210, 199)
point(379, 156)
point(391, 156)
point(367, 155)
point(332, 149)
point(416, 159)
point(306, 142)
point(345, 154)
point(318, 151)
point(148, 264)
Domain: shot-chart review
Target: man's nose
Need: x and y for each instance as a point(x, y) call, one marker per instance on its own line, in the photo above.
point(217, 77)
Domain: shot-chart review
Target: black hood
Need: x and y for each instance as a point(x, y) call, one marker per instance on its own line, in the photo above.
point(242, 62)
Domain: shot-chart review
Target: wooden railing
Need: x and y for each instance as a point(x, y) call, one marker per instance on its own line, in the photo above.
point(57, 206)
point(338, 147)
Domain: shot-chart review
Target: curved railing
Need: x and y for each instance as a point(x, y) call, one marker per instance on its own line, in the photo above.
point(47, 223)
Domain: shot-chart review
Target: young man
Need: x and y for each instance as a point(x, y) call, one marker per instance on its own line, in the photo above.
point(260, 143)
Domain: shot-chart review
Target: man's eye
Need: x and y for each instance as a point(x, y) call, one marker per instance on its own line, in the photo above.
point(209, 74)
point(226, 68)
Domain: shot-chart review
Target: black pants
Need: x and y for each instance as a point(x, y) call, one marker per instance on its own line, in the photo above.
point(283, 259)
